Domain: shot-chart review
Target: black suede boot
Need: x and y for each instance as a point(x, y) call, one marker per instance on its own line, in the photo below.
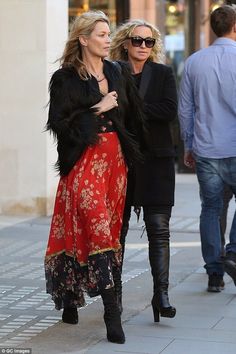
point(118, 288)
point(157, 226)
point(70, 312)
point(117, 273)
point(70, 315)
point(112, 318)
point(123, 234)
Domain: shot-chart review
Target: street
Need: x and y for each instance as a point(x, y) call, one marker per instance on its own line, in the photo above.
point(204, 324)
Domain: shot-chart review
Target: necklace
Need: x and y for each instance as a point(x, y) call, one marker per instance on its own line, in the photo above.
point(99, 77)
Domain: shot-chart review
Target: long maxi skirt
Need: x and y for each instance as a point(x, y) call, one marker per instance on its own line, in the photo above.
point(83, 249)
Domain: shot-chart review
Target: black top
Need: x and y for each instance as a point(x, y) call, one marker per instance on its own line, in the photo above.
point(137, 79)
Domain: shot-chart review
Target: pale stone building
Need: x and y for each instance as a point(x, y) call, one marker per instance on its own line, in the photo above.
point(32, 36)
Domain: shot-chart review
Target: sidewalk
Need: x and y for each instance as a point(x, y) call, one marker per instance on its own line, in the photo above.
point(204, 323)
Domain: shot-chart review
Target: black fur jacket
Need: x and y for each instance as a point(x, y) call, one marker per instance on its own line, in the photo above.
point(76, 126)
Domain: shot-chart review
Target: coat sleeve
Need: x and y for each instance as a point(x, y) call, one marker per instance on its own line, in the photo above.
point(73, 125)
point(166, 109)
point(68, 118)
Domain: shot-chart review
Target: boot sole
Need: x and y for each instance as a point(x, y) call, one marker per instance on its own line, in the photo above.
point(116, 340)
point(214, 289)
point(230, 268)
point(168, 314)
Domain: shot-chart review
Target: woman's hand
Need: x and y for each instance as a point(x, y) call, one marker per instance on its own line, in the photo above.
point(108, 102)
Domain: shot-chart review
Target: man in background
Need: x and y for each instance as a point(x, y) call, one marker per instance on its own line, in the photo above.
point(207, 114)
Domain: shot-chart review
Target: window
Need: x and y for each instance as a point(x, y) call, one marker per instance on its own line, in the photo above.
point(77, 7)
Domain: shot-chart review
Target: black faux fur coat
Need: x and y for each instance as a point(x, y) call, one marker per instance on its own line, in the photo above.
point(76, 126)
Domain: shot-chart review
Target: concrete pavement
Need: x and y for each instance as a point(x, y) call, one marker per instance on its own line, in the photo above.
point(204, 324)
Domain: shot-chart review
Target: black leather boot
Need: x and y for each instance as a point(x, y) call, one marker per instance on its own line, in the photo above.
point(112, 318)
point(157, 226)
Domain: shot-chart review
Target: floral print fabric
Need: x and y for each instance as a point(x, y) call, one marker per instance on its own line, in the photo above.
point(83, 247)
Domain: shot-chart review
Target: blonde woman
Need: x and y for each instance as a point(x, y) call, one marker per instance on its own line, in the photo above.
point(139, 43)
point(90, 103)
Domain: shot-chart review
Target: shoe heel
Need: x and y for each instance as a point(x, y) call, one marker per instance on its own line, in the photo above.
point(156, 313)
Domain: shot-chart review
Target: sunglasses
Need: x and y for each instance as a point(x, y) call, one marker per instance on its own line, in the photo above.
point(138, 41)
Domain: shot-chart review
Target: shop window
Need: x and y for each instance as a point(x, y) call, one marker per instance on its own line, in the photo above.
point(77, 7)
point(174, 38)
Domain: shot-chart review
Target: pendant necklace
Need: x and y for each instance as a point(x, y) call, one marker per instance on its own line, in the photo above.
point(97, 76)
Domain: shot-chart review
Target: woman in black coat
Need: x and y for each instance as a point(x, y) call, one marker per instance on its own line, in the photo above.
point(152, 184)
point(91, 102)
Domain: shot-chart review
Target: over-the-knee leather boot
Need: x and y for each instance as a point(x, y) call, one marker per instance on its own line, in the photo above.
point(157, 226)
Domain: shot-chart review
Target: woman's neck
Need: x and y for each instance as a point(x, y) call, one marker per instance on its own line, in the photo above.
point(94, 66)
point(137, 66)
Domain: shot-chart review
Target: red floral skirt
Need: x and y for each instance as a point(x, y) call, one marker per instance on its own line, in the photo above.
point(84, 241)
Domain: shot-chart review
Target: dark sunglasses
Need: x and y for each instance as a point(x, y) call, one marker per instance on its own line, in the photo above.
point(138, 41)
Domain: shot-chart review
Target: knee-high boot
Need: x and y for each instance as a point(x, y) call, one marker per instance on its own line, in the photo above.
point(157, 226)
point(125, 228)
point(112, 318)
point(70, 312)
point(123, 234)
point(118, 272)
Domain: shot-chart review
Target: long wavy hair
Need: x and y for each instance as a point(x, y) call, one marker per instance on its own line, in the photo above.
point(82, 25)
point(117, 51)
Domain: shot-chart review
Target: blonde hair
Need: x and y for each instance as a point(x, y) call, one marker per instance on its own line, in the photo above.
point(124, 31)
point(82, 25)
